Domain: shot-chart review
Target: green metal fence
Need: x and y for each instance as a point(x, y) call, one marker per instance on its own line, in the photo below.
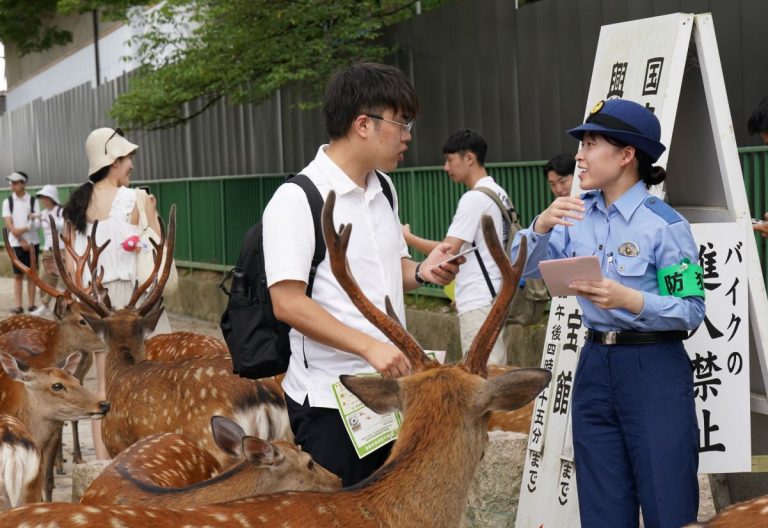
point(214, 213)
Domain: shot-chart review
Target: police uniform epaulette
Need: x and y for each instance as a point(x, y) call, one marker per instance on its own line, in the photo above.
point(663, 209)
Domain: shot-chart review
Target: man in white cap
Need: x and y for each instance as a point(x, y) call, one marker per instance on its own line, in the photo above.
point(49, 201)
point(22, 219)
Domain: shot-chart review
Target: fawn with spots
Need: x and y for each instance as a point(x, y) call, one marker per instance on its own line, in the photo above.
point(150, 397)
point(748, 514)
point(424, 482)
point(170, 471)
point(51, 396)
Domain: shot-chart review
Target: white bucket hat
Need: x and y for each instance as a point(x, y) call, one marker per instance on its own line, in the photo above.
point(49, 191)
point(104, 146)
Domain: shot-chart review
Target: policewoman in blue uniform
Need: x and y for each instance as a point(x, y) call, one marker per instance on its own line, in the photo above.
point(634, 423)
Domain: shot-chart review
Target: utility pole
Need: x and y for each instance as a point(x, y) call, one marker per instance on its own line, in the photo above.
point(95, 16)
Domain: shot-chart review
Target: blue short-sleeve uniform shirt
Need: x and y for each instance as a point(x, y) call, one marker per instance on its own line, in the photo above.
point(634, 237)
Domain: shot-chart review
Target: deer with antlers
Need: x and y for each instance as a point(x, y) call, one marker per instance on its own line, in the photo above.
point(169, 470)
point(425, 480)
point(150, 397)
point(44, 345)
point(51, 396)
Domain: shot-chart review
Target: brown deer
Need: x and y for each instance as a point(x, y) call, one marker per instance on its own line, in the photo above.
point(19, 464)
point(164, 470)
point(424, 482)
point(177, 345)
point(51, 396)
point(748, 514)
point(150, 397)
point(47, 344)
point(19, 322)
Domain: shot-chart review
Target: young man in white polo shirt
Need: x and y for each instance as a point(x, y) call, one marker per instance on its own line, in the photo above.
point(480, 278)
point(21, 214)
point(369, 110)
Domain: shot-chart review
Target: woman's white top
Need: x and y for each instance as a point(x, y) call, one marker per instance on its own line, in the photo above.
point(118, 263)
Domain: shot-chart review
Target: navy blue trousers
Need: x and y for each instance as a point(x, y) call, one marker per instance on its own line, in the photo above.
point(635, 436)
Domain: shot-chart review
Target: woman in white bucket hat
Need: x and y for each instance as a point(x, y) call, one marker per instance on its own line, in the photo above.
point(106, 197)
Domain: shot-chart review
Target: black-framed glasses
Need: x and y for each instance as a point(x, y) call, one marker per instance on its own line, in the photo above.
point(117, 131)
point(406, 126)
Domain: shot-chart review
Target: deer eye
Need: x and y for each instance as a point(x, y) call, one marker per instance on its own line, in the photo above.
point(83, 322)
point(57, 387)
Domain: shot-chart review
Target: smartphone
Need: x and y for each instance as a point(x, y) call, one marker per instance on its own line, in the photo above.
point(145, 188)
point(457, 255)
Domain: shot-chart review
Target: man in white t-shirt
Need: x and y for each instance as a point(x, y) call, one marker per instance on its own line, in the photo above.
point(369, 111)
point(480, 278)
point(21, 214)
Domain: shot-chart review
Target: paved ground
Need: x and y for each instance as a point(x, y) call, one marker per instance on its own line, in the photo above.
point(63, 489)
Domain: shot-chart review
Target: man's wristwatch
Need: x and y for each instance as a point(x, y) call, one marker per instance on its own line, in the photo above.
point(416, 275)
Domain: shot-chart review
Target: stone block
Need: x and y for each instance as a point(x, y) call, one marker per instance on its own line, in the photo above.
point(83, 475)
point(495, 490)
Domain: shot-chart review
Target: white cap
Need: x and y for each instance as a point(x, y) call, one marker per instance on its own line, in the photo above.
point(104, 146)
point(51, 192)
point(15, 176)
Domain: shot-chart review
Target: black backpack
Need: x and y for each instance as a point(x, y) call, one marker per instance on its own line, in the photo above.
point(257, 341)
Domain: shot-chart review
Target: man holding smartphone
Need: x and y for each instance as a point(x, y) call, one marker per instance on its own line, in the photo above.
point(480, 278)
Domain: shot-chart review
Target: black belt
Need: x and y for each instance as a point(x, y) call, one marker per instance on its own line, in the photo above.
point(635, 338)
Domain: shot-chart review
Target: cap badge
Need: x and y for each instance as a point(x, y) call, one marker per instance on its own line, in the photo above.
point(597, 107)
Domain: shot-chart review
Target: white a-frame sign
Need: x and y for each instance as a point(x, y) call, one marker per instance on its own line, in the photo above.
point(671, 64)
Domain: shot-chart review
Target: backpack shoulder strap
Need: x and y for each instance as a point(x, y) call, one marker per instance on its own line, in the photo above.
point(32, 204)
point(316, 202)
point(495, 197)
point(386, 189)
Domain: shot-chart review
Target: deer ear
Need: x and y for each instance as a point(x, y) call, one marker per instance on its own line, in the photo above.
point(14, 368)
point(511, 390)
point(60, 308)
point(149, 321)
point(72, 362)
point(381, 395)
point(228, 435)
point(95, 322)
point(261, 453)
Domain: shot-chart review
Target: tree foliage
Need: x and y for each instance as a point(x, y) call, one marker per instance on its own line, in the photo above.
point(200, 51)
point(246, 49)
point(29, 26)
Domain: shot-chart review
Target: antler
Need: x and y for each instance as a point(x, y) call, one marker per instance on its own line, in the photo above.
point(138, 291)
point(30, 271)
point(169, 242)
point(95, 303)
point(337, 251)
point(481, 347)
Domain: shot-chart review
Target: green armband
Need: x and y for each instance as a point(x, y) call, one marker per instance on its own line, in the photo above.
point(681, 280)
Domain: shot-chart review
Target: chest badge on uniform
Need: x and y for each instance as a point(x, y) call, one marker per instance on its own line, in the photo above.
point(629, 249)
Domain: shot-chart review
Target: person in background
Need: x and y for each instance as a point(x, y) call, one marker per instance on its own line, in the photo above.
point(480, 278)
point(106, 197)
point(559, 174)
point(51, 208)
point(22, 220)
point(757, 124)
